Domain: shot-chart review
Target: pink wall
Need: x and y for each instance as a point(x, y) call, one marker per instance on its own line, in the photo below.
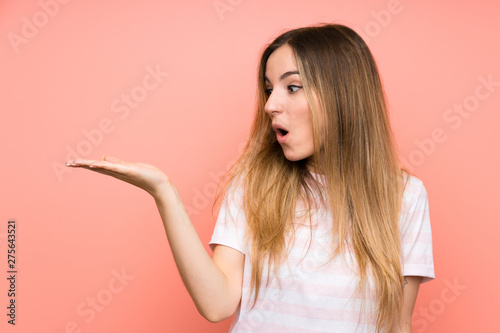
point(66, 68)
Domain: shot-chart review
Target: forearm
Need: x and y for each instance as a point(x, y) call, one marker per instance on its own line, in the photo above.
point(215, 295)
point(208, 286)
point(402, 323)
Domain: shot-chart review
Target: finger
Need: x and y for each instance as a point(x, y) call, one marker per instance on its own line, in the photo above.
point(113, 167)
point(93, 164)
point(98, 170)
point(119, 173)
point(88, 163)
point(111, 159)
point(80, 162)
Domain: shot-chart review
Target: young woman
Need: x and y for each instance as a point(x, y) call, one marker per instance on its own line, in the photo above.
point(321, 228)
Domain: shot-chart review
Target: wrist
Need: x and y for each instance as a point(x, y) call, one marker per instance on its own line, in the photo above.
point(165, 191)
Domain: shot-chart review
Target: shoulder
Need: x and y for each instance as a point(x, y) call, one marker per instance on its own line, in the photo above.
point(235, 191)
point(413, 181)
point(414, 205)
point(232, 206)
point(416, 233)
point(414, 189)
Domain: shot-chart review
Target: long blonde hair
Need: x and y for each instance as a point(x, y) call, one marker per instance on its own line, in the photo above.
point(363, 177)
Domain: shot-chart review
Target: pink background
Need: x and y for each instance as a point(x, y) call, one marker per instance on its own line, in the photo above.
point(64, 67)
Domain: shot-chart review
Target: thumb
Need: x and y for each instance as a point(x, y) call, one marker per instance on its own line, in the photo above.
point(110, 158)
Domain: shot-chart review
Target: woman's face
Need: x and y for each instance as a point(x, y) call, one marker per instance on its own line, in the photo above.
point(287, 105)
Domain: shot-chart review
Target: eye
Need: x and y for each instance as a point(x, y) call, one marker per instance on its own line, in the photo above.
point(268, 91)
point(293, 88)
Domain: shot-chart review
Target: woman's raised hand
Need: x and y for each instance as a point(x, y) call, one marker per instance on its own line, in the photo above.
point(202, 276)
point(142, 175)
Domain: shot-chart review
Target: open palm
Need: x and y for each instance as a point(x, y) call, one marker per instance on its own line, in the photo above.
point(145, 176)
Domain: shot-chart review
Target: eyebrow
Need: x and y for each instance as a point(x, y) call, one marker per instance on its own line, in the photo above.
point(284, 76)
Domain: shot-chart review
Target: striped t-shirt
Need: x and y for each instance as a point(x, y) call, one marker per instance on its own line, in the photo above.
point(313, 295)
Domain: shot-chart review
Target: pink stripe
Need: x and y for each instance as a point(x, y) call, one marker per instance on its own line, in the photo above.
point(419, 259)
point(255, 326)
point(313, 266)
point(415, 238)
point(304, 311)
point(263, 327)
point(309, 289)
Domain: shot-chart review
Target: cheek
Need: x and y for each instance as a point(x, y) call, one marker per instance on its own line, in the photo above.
point(308, 126)
point(305, 133)
point(302, 116)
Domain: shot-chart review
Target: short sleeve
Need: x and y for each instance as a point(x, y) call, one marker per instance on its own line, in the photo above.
point(416, 235)
point(230, 228)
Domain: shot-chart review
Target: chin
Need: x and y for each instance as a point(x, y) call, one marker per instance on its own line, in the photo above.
point(296, 157)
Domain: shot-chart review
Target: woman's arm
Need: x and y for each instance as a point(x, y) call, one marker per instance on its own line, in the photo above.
point(215, 283)
point(403, 323)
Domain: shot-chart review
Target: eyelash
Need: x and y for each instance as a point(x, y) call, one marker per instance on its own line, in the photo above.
point(290, 87)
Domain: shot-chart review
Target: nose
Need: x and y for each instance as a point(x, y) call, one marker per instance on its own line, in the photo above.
point(274, 104)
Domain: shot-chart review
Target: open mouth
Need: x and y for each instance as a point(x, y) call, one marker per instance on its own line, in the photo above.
point(281, 132)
